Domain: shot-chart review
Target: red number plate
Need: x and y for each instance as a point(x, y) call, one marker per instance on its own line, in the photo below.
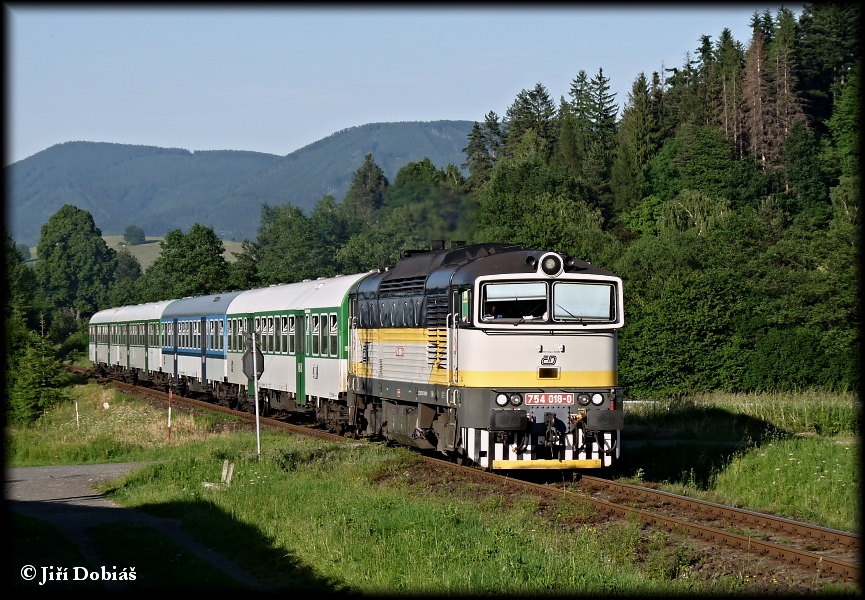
point(549, 399)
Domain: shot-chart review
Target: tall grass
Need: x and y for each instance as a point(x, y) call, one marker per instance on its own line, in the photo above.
point(792, 454)
point(720, 414)
point(104, 426)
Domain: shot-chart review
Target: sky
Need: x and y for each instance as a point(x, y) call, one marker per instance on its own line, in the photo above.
point(275, 79)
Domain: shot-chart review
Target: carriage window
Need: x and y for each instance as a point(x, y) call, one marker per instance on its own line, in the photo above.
point(315, 332)
point(515, 302)
point(584, 302)
point(270, 334)
point(334, 335)
point(277, 334)
point(291, 334)
point(322, 334)
point(284, 334)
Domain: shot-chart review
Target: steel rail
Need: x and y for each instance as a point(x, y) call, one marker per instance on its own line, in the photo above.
point(850, 541)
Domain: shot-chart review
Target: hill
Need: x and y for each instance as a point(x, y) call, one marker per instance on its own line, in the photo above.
point(147, 252)
point(160, 189)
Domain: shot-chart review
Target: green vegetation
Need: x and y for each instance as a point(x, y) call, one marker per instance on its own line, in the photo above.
point(134, 235)
point(791, 454)
point(83, 430)
point(352, 517)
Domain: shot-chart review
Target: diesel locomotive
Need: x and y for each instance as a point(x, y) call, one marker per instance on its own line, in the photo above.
point(494, 354)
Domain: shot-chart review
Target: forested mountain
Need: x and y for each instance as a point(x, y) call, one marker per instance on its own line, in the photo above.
point(160, 189)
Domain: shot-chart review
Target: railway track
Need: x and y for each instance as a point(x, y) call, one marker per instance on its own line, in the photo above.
point(827, 552)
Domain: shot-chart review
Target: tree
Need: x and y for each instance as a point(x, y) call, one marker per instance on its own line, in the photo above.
point(24, 251)
point(366, 192)
point(34, 383)
point(379, 246)
point(758, 115)
point(134, 235)
point(189, 264)
point(830, 50)
point(533, 110)
point(731, 61)
point(128, 271)
point(75, 266)
point(636, 145)
point(284, 238)
point(243, 272)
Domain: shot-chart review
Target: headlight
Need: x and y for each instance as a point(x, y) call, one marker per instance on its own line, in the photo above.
point(583, 399)
point(551, 264)
point(597, 399)
point(502, 399)
point(516, 399)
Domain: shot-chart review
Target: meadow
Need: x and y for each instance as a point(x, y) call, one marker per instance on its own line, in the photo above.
point(316, 516)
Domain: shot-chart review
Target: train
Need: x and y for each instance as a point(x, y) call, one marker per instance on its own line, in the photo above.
point(496, 355)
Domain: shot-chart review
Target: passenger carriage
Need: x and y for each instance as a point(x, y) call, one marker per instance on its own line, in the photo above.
point(126, 340)
point(194, 341)
point(302, 335)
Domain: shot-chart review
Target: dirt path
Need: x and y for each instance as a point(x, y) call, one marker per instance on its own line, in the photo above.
point(65, 498)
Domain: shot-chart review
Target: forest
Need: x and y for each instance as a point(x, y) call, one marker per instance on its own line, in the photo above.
point(724, 192)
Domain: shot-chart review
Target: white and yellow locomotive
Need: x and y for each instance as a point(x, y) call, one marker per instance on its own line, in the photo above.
point(499, 354)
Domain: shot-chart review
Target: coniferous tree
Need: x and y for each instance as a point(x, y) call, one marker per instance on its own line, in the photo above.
point(831, 47)
point(758, 107)
point(478, 160)
point(366, 193)
point(636, 145)
point(731, 62)
point(533, 110)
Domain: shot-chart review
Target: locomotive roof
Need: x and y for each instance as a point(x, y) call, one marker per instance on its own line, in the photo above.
point(201, 306)
point(315, 293)
point(435, 270)
point(138, 312)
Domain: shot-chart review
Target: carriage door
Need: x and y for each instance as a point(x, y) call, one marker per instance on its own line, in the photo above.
point(300, 348)
point(202, 328)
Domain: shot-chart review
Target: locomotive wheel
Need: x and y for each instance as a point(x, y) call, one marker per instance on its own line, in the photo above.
point(460, 456)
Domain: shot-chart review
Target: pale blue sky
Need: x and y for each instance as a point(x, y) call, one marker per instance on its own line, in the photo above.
point(277, 79)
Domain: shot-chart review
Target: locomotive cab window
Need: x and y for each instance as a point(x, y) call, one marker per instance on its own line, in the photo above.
point(579, 302)
point(514, 302)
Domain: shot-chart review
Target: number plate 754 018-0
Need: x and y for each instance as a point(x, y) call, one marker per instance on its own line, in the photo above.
point(549, 399)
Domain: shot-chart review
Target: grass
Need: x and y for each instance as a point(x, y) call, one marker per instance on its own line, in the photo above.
point(795, 455)
point(345, 510)
point(155, 561)
point(102, 425)
point(348, 518)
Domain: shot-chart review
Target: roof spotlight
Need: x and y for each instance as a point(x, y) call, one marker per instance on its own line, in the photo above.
point(551, 264)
